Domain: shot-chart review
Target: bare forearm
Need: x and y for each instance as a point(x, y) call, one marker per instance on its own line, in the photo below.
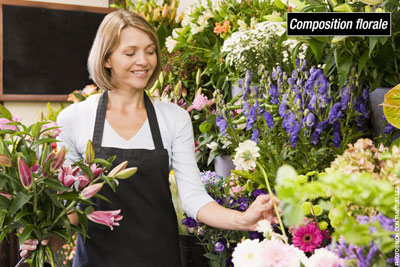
point(218, 216)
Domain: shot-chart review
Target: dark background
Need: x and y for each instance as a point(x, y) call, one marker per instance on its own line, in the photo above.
point(45, 51)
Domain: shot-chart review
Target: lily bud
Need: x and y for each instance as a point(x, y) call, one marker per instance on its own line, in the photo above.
point(118, 168)
point(161, 78)
point(25, 174)
point(89, 154)
point(198, 76)
point(165, 11)
point(198, 92)
point(173, 4)
point(178, 89)
point(173, 15)
point(184, 92)
point(156, 13)
point(59, 160)
point(91, 190)
point(167, 88)
point(124, 174)
point(156, 93)
point(5, 161)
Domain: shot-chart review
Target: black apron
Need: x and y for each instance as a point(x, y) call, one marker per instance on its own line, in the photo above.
point(148, 233)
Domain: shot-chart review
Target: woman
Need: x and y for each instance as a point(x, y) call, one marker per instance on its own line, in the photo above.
point(153, 136)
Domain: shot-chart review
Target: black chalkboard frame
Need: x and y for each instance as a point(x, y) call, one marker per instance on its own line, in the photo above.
point(45, 5)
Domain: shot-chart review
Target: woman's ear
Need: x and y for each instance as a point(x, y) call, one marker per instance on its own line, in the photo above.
point(107, 64)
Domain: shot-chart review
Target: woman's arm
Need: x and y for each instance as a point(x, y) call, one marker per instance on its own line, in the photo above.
point(218, 216)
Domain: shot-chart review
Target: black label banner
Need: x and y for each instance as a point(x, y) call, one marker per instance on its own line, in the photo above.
point(339, 24)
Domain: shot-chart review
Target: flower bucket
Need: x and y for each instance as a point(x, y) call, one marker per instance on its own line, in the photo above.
point(376, 98)
point(223, 165)
point(192, 252)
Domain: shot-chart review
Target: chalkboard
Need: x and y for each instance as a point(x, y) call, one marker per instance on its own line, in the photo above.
point(45, 49)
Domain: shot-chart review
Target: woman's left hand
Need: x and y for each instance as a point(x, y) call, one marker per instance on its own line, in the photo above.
point(261, 208)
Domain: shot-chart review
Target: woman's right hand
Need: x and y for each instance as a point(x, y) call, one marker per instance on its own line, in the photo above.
point(31, 245)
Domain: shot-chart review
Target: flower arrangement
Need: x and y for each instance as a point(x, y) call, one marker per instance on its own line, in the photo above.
point(80, 95)
point(161, 15)
point(219, 243)
point(295, 118)
point(37, 192)
point(262, 44)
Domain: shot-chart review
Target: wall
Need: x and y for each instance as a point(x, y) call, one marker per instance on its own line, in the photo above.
point(28, 111)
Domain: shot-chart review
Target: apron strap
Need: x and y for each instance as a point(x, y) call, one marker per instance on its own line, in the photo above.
point(101, 116)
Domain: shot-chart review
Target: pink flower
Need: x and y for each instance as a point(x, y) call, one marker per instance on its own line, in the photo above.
point(35, 167)
point(109, 218)
point(325, 258)
point(25, 174)
point(275, 253)
point(236, 190)
point(67, 175)
point(53, 133)
point(6, 195)
point(199, 102)
point(83, 181)
point(4, 123)
point(91, 190)
point(307, 238)
point(96, 171)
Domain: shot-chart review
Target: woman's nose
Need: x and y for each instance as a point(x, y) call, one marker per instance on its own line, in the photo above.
point(141, 59)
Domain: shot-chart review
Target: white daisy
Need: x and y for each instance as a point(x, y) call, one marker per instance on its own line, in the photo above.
point(246, 155)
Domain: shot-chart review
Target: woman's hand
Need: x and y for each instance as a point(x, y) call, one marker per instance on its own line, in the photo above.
point(261, 208)
point(29, 245)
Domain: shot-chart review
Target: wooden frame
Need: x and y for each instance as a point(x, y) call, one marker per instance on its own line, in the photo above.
point(46, 5)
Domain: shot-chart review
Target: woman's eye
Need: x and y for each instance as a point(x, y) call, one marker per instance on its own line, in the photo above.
point(129, 54)
point(151, 53)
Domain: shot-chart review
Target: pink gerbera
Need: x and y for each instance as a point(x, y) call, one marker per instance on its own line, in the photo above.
point(307, 237)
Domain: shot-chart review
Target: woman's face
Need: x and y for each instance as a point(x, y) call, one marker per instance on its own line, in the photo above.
point(133, 62)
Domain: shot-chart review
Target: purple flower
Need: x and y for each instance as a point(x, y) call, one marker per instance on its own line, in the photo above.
point(219, 247)
point(255, 90)
point(297, 62)
point(313, 102)
point(310, 120)
point(360, 107)
point(268, 119)
point(273, 92)
point(240, 83)
point(222, 124)
point(251, 118)
point(294, 74)
point(219, 201)
point(283, 107)
point(336, 139)
point(258, 192)
point(335, 113)
point(245, 108)
point(304, 65)
point(389, 128)
point(189, 222)
point(318, 130)
point(345, 95)
point(209, 177)
point(248, 78)
point(254, 136)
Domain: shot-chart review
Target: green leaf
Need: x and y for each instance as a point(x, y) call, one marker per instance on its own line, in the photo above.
point(362, 62)
point(211, 256)
point(205, 127)
point(4, 202)
point(317, 48)
point(25, 234)
point(391, 106)
point(36, 130)
point(56, 185)
point(254, 176)
point(44, 140)
point(6, 114)
point(69, 195)
point(102, 162)
point(372, 44)
point(20, 200)
point(343, 65)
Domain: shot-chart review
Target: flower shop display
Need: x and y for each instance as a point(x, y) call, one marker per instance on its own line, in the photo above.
point(161, 15)
point(80, 95)
point(292, 117)
point(37, 192)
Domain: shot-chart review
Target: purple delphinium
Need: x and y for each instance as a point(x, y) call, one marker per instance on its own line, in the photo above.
point(210, 177)
point(310, 120)
point(345, 97)
point(273, 92)
point(189, 222)
point(251, 118)
point(335, 113)
point(222, 124)
point(283, 107)
point(336, 134)
point(268, 119)
point(254, 136)
point(243, 203)
point(245, 108)
point(318, 130)
point(360, 107)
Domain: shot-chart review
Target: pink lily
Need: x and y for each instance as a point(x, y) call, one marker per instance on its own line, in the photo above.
point(4, 123)
point(96, 171)
point(5, 161)
point(91, 190)
point(83, 181)
point(6, 195)
point(58, 162)
point(108, 218)
point(67, 175)
point(53, 133)
point(25, 174)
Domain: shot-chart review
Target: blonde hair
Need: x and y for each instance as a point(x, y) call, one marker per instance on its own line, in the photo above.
point(107, 40)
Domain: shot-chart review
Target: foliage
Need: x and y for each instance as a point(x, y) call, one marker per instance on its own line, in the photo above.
point(391, 106)
point(161, 16)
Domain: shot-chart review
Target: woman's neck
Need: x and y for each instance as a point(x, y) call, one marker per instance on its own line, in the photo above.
point(120, 99)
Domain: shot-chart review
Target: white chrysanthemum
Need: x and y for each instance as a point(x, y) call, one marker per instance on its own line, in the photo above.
point(247, 254)
point(212, 146)
point(170, 43)
point(194, 28)
point(246, 155)
point(324, 258)
point(265, 227)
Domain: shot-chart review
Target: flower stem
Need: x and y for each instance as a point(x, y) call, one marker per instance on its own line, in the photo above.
point(273, 200)
point(64, 211)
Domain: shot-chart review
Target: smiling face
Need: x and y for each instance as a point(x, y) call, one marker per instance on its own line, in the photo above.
point(133, 61)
